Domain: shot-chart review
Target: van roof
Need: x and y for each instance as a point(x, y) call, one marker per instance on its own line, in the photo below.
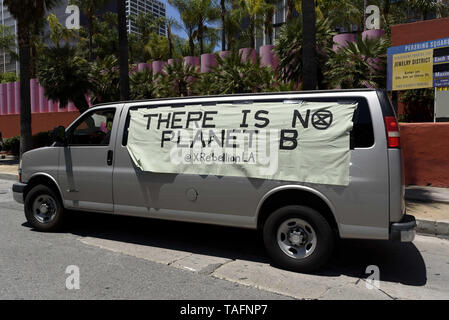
point(242, 95)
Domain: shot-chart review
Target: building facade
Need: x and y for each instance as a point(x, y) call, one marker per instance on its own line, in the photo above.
point(6, 63)
point(135, 7)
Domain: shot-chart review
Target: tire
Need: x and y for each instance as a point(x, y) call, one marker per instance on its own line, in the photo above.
point(298, 238)
point(35, 200)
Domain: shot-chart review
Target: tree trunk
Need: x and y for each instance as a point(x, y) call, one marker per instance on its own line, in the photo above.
point(81, 103)
point(200, 38)
point(223, 25)
point(252, 32)
point(90, 26)
point(123, 50)
point(191, 43)
point(309, 65)
point(170, 41)
point(290, 8)
point(365, 16)
point(26, 142)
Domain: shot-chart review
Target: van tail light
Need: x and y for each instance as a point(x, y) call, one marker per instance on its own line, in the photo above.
point(392, 128)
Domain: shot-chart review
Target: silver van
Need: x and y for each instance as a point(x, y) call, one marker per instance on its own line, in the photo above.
point(90, 169)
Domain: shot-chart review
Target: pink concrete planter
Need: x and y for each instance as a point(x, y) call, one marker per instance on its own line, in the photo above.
point(3, 99)
point(248, 54)
point(208, 62)
point(373, 34)
point(173, 61)
point(88, 100)
point(34, 95)
point(193, 61)
point(224, 54)
point(143, 66)
point(375, 63)
point(158, 66)
point(10, 98)
point(43, 101)
point(341, 40)
point(267, 56)
point(71, 107)
point(63, 109)
point(17, 96)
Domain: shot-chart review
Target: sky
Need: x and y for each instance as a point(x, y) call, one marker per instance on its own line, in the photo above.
point(173, 13)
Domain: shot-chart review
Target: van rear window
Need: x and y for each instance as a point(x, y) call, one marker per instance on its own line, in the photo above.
point(362, 134)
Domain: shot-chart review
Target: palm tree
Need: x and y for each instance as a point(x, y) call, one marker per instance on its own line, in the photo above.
point(123, 50)
point(359, 64)
point(253, 10)
point(289, 46)
point(268, 21)
point(309, 76)
point(89, 8)
point(26, 12)
point(223, 14)
point(205, 12)
point(188, 16)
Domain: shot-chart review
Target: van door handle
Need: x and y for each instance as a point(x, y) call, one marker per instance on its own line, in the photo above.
point(110, 156)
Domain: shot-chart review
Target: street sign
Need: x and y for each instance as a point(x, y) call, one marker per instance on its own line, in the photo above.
point(418, 65)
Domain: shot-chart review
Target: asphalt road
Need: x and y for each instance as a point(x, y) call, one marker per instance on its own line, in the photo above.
point(132, 258)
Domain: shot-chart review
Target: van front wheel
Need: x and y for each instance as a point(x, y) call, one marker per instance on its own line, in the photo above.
point(43, 209)
point(298, 238)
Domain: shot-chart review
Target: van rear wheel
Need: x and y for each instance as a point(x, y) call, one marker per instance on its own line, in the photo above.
point(43, 209)
point(298, 238)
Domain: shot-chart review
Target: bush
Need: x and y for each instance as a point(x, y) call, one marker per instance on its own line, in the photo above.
point(8, 77)
point(418, 105)
point(12, 145)
point(42, 139)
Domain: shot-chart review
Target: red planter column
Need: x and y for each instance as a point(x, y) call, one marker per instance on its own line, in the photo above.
point(373, 34)
point(341, 40)
point(267, 56)
point(208, 62)
point(248, 54)
point(158, 66)
point(43, 101)
point(17, 96)
point(3, 99)
point(224, 54)
point(10, 97)
point(194, 61)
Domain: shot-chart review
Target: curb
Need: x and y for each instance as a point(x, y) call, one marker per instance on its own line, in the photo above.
point(432, 227)
point(8, 176)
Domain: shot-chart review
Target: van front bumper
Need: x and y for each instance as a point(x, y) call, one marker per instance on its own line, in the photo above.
point(17, 191)
point(404, 230)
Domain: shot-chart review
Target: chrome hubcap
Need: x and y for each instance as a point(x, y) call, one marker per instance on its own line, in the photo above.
point(296, 238)
point(44, 208)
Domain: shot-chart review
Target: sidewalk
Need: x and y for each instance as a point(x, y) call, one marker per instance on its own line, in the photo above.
point(429, 205)
point(8, 167)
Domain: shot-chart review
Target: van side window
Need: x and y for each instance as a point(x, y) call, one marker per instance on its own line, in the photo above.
point(362, 135)
point(93, 129)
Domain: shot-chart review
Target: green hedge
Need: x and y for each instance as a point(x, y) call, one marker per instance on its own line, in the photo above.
point(42, 139)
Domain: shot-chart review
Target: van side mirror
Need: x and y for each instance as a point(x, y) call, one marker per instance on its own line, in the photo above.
point(59, 135)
